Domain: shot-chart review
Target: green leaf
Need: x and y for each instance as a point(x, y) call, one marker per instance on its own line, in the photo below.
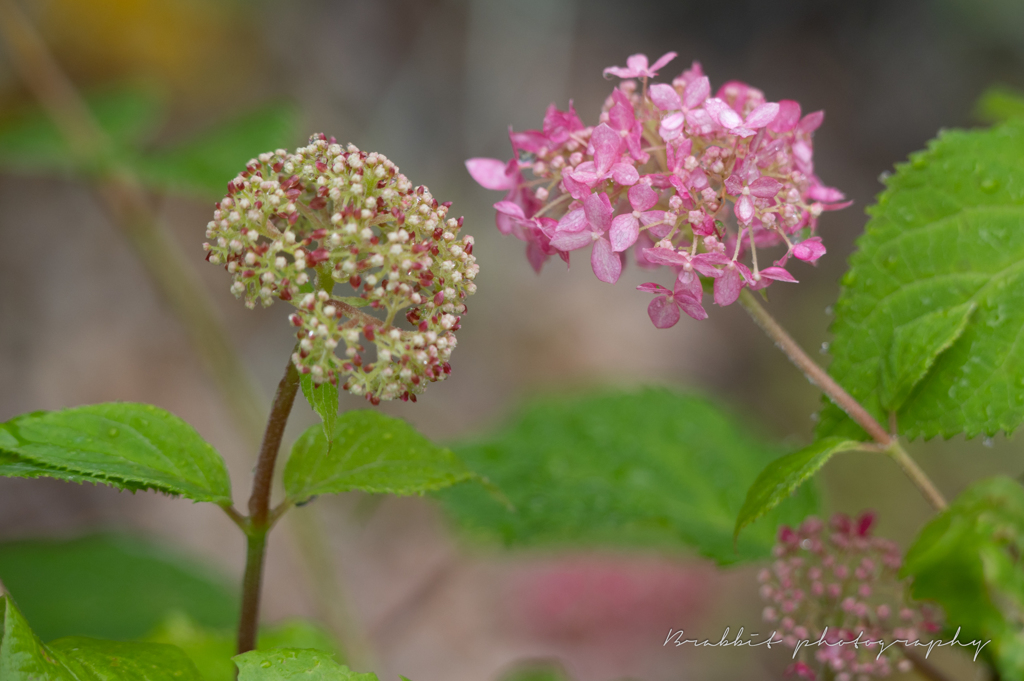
point(111, 586)
point(323, 399)
point(648, 468)
point(914, 348)
point(31, 143)
point(369, 452)
point(212, 650)
point(969, 560)
point(204, 164)
point(784, 475)
point(999, 104)
point(288, 664)
point(948, 231)
point(124, 444)
point(356, 301)
point(23, 657)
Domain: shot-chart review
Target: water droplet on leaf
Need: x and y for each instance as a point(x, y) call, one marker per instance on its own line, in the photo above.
point(989, 185)
point(988, 442)
point(112, 432)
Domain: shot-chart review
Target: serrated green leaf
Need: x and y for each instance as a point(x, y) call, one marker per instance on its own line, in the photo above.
point(914, 348)
point(212, 650)
point(999, 104)
point(369, 452)
point(969, 560)
point(323, 399)
point(125, 444)
point(649, 468)
point(204, 164)
point(23, 657)
point(111, 586)
point(785, 475)
point(294, 664)
point(947, 231)
point(31, 143)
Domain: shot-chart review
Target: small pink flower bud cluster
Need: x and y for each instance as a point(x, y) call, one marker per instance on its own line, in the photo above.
point(353, 219)
point(839, 581)
point(658, 174)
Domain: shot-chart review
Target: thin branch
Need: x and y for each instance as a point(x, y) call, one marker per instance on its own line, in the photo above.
point(842, 399)
point(259, 508)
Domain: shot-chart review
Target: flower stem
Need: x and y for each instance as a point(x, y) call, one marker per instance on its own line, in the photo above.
point(842, 399)
point(259, 507)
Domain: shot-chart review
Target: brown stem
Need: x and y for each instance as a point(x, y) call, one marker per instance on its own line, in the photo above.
point(842, 399)
point(259, 508)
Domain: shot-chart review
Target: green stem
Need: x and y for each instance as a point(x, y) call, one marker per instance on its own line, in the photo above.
point(259, 507)
point(842, 399)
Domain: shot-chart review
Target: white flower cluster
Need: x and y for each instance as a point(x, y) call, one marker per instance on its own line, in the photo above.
point(353, 219)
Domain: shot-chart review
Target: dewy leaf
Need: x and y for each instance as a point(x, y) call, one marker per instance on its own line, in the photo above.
point(968, 559)
point(914, 348)
point(205, 164)
point(999, 104)
point(135, 446)
point(111, 586)
point(947, 231)
point(649, 468)
point(212, 650)
point(23, 657)
point(323, 399)
point(784, 475)
point(294, 664)
point(32, 143)
point(369, 452)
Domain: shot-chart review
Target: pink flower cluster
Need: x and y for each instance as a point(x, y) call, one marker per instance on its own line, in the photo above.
point(839, 584)
point(658, 175)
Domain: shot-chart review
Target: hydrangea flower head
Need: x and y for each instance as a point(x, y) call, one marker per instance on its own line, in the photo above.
point(684, 179)
point(838, 583)
point(354, 220)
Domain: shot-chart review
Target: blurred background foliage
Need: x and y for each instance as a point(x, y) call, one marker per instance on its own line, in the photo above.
point(187, 90)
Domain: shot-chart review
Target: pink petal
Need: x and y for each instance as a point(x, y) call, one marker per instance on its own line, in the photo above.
point(642, 244)
point(723, 113)
point(701, 121)
point(778, 274)
point(662, 60)
point(809, 249)
point(762, 115)
point(577, 188)
point(734, 183)
point(607, 263)
point(624, 232)
point(765, 187)
point(606, 147)
point(509, 208)
point(698, 180)
point(651, 287)
point(536, 255)
point(625, 174)
point(811, 121)
point(620, 72)
point(642, 197)
point(571, 241)
point(637, 63)
point(837, 206)
point(688, 286)
point(621, 117)
point(744, 209)
point(727, 287)
point(663, 312)
point(665, 97)
point(822, 193)
point(599, 211)
point(490, 173)
point(705, 262)
point(528, 140)
point(572, 222)
point(665, 255)
point(696, 92)
point(692, 307)
point(789, 116)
